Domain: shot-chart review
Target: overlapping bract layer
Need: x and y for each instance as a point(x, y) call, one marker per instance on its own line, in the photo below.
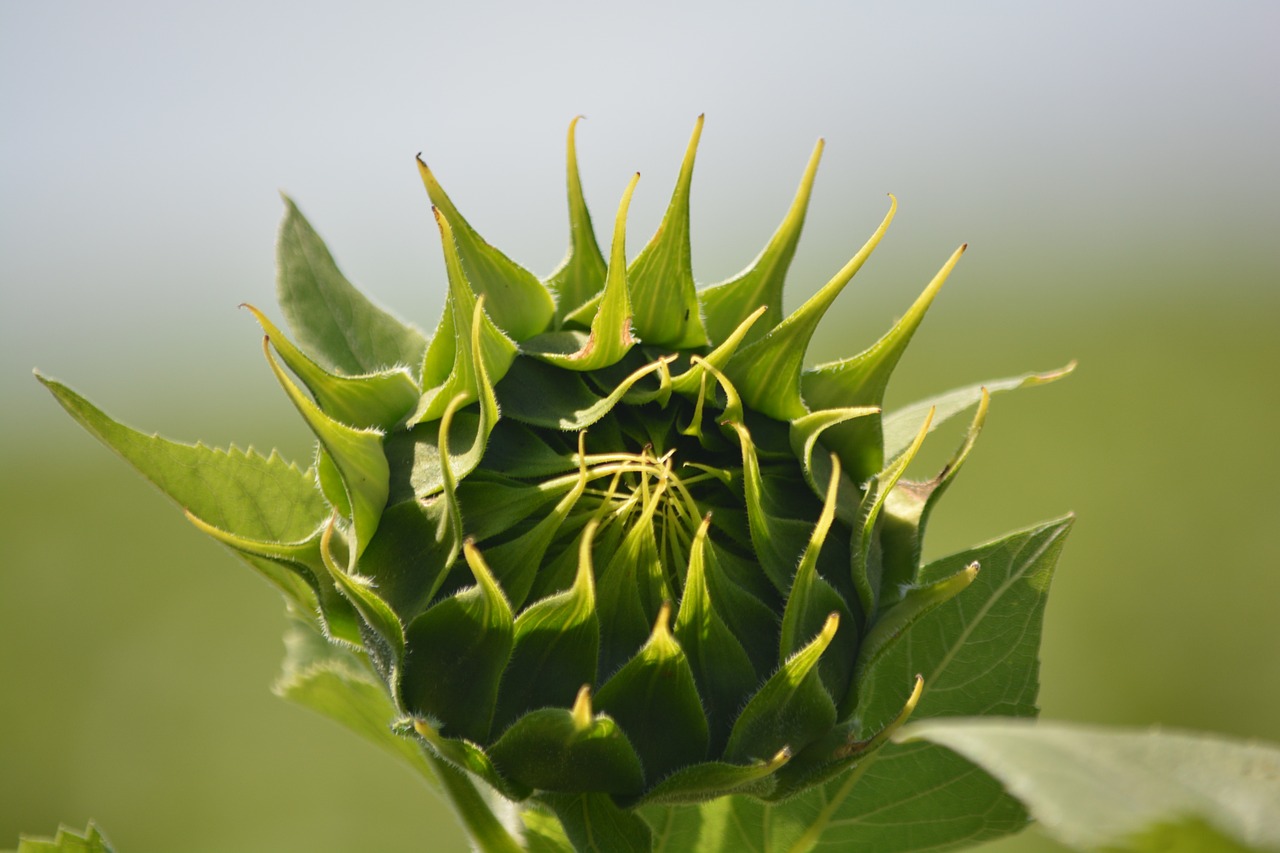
point(602, 535)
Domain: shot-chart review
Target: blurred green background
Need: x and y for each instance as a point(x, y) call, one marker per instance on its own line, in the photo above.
point(1112, 166)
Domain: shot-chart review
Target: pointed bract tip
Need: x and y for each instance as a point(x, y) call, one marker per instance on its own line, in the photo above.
point(829, 627)
point(584, 547)
point(582, 712)
point(424, 171)
point(258, 315)
point(693, 140)
point(917, 690)
point(326, 543)
point(662, 625)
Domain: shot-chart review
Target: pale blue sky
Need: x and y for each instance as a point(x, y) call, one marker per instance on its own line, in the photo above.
point(144, 143)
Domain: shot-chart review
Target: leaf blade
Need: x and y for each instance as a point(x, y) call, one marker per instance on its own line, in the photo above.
point(663, 294)
point(520, 305)
point(1092, 787)
point(328, 314)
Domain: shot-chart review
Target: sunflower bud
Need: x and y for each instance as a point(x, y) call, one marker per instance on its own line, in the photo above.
point(602, 536)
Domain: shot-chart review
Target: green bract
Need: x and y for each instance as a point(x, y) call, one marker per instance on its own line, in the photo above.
point(603, 540)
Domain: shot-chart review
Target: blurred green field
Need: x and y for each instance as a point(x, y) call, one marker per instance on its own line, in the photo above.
point(137, 654)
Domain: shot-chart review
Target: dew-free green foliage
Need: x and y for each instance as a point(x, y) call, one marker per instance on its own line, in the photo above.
point(1125, 791)
point(68, 841)
point(603, 545)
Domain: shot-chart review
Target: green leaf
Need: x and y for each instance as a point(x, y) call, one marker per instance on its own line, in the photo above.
point(663, 294)
point(778, 541)
point(68, 841)
point(336, 683)
point(675, 828)
point(516, 562)
point(385, 639)
point(914, 605)
point(409, 557)
point(376, 400)
point(725, 306)
point(569, 751)
point(903, 799)
point(356, 454)
point(654, 699)
point(557, 642)
point(867, 568)
point(978, 654)
point(753, 622)
point(518, 302)
point(236, 490)
point(543, 833)
point(610, 337)
point(767, 372)
point(901, 425)
point(417, 470)
point(542, 395)
point(790, 710)
point(1124, 790)
point(497, 504)
point(832, 754)
point(594, 824)
point(331, 318)
point(906, 512)
point(632, 589)
point(702, 782)
point(812, 599)
point(468, 353)
point(804, 433)
point(463, 756)
point(582, 273)
point(694, 381)
point(739, 824)
point(462, 646)
point(861, 380)
point(518, 450)
point(301, 560)
point(721, 668)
